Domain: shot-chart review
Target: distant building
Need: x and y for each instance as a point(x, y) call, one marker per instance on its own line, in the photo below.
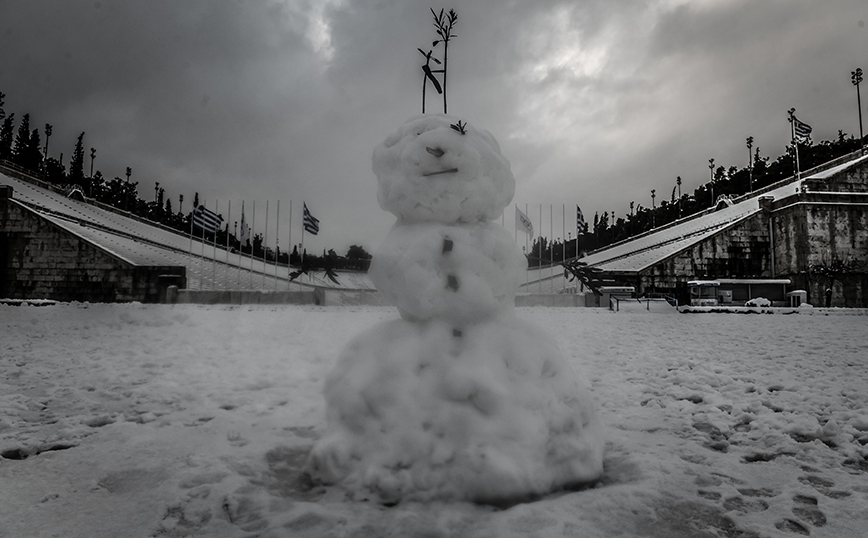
point(812, 232)
point(57, 244)
point(43, 255)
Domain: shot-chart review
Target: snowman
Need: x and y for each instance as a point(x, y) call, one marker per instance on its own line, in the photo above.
point(458, 399)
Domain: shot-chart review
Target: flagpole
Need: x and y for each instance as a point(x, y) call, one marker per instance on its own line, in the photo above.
point(252, 254)
point(240, 246)
point(564, 233)
point(302, 236)
point(539, 264)
point(202, 251)
point(228, 221)
point(276, 244)
point(551, 250)
point(527, 256)
point(191, 232)
point(214, 248)
point(264, 247)
point(289, 255)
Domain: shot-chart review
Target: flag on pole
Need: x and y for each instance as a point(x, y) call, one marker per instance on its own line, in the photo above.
point(245, 230)
point(522, 223)
point(206, 220)
point(580, 221)
point(311, 224)
point(801, 129)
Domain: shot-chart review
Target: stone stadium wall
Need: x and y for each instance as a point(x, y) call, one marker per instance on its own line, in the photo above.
point(39, 260)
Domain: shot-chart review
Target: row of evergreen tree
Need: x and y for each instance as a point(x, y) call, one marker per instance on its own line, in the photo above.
point(732, 181)
point(24, 148)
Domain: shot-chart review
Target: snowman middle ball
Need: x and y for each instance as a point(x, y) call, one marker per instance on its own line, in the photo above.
point(444, 258)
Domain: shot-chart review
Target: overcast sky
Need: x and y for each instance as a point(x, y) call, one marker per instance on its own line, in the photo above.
point(593, 102)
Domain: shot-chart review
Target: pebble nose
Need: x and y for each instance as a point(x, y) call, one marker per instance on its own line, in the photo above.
point(437, 152)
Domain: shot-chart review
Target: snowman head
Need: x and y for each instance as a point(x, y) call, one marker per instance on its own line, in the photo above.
point(437, 168)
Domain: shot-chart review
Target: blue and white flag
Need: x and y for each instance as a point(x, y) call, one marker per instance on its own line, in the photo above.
point(206, 220)
point(801, 129)
point(311, 224)
point(522, 223)
point(580, 221)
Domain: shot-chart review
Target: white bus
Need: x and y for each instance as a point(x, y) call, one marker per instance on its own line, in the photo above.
point(703, 292)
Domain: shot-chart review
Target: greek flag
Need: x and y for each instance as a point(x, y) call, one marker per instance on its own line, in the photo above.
point(580, 221)
point(522, 223)
point(311, 224)
point(206, 220)
point(801, 129)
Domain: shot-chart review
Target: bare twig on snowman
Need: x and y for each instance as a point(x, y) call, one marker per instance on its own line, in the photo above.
point(443, 22)
point(429, 75)
point(459, 127)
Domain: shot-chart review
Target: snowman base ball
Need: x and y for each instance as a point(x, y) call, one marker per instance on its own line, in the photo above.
point(493, 413)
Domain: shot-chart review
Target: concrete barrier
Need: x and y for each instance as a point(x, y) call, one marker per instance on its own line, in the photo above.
point(246, 297)
point(555, 300)
point(334, 297)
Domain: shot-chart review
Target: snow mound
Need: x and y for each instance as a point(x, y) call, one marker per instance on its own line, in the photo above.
point(429, 171)
point(417, 413)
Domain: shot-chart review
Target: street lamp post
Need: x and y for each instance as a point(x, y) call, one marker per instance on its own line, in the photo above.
point(856, 78)
point(750, 160)
point(631, 218)
point(653, 207)
point(48, 129)
point(90, 183)
point(711, 168)
point(127, 188)
point(678, 182)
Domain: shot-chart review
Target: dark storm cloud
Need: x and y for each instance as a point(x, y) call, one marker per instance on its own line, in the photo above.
point(593, 102)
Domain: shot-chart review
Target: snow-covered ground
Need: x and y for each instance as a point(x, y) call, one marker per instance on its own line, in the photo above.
point(153, 420)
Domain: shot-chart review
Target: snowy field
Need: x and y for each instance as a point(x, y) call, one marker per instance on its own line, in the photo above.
point(152, 420)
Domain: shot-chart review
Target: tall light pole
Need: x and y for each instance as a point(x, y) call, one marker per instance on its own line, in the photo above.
point(45, 153)
point(856, 78)
point(47, 136)
point(631, 218)
point(711, 167)
point(678, 182)
point(90, 183)
point(750, 160)
point(653, 207)
point(127, 189)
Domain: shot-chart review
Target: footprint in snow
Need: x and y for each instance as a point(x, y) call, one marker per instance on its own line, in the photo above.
point(823, 486)
point(808, 514)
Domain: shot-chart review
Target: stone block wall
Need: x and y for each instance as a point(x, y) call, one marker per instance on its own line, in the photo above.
point(741, 251)
point(817, 228)
point(39, 260)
